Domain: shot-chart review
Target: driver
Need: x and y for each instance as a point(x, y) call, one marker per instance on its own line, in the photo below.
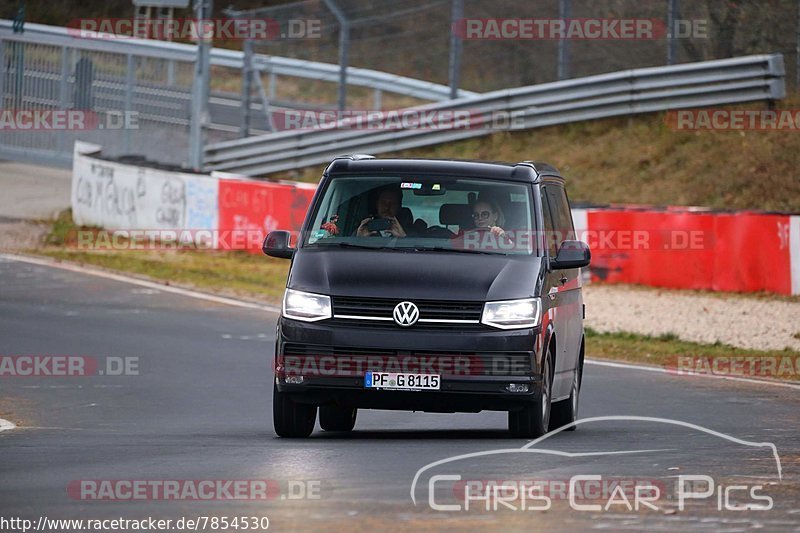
point(387, 205)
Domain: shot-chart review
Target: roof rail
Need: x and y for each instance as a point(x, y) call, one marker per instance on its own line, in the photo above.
point(349, 157)
point(527, 163)
point(354, 157)
point(539, 167)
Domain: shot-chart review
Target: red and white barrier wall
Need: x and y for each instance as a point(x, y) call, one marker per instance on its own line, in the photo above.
point(684, 248)
point(693, 249)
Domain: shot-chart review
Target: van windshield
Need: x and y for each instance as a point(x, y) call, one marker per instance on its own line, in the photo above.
point(425, 213)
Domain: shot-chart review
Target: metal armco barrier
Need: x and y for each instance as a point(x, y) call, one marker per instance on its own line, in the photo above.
point(708, 83)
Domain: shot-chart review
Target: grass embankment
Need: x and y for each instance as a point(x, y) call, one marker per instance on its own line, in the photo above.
point(640, 159)
point(239, 274)
point(665, 351)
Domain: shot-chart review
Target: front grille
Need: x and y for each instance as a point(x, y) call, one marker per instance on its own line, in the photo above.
point(451, 312)
point(346, 361)
point(393, 326)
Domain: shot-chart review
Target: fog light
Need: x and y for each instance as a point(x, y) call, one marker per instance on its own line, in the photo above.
point(294, 380)
point(517, 387)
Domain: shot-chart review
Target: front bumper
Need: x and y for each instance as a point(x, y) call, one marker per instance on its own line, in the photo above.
point(479, 384)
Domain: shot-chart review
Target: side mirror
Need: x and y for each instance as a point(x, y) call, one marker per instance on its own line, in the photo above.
point(276, 244)
point(572, 254)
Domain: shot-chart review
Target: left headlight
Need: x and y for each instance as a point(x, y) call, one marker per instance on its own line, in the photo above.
point(513, 314)
point(306, 306)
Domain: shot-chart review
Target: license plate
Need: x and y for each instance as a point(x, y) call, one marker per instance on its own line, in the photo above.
point(401, 381)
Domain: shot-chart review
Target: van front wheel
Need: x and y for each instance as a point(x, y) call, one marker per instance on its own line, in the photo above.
point(533, 419)
point(292, 419)
point(566, 411)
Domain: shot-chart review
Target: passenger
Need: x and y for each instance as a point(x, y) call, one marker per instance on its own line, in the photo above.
point(388, 204)
point(486, 214)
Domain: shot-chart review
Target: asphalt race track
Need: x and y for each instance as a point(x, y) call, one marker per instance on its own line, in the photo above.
point(198, 407)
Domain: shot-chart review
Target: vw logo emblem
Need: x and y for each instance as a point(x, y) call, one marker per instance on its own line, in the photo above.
point(405, 314)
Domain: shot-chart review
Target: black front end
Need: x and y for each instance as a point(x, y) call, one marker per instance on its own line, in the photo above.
point(481, 368)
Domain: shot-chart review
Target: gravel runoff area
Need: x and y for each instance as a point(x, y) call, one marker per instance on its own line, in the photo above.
point(759, 322)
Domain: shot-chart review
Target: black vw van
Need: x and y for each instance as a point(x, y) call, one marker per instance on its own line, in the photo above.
point(431, 285)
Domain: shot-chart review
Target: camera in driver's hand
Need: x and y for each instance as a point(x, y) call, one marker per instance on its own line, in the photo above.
point(379, 224)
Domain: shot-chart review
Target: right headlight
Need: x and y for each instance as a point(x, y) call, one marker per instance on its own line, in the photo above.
point(513, 314)
point(306, 306)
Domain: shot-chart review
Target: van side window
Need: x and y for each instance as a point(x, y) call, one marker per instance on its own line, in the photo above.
point(549, 229)
point(562, 217)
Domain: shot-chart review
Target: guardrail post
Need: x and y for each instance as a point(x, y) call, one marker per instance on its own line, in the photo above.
point(564, 12)
point(377, 97)
point(3, 64)
point(170, 73)
point(200, 90)
point(130, 81)
point(3, 74)
point(66, 55)
point(344, 51)
point(18, 51)
point(247, 87)
point(672, 41)
point(265, 102)
point(273, 86)
point(456, 47)
point(66, 67)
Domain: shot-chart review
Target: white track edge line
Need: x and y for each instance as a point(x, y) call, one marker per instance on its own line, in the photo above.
point(5, 425)
point(648, 368)
point(136, 281)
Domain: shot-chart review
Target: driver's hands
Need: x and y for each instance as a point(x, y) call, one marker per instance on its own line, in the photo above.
point(396, 229)
point(498, 232)
point(362, 228)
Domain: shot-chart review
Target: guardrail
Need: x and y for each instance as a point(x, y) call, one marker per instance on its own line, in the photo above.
point(281, 66)
point(708, 83)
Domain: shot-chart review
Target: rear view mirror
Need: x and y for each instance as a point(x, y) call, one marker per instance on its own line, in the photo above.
point(276, 244)
point(571, 254)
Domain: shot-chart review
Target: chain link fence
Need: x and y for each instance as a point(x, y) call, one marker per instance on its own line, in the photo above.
point(127, 103)
point(412, 38)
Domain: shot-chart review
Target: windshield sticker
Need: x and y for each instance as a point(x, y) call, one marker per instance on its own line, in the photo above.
point(409, 185)
point(317, 235)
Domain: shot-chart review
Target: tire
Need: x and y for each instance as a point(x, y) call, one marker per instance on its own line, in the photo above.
point(533, 419)
point(291, 419)
point(335, 418)
point(566, 411)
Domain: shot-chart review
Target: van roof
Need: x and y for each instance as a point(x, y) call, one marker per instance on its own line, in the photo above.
point(526, 171)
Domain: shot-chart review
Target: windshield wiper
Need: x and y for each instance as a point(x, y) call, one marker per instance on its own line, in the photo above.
point(454, 250)
point(352, 245)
